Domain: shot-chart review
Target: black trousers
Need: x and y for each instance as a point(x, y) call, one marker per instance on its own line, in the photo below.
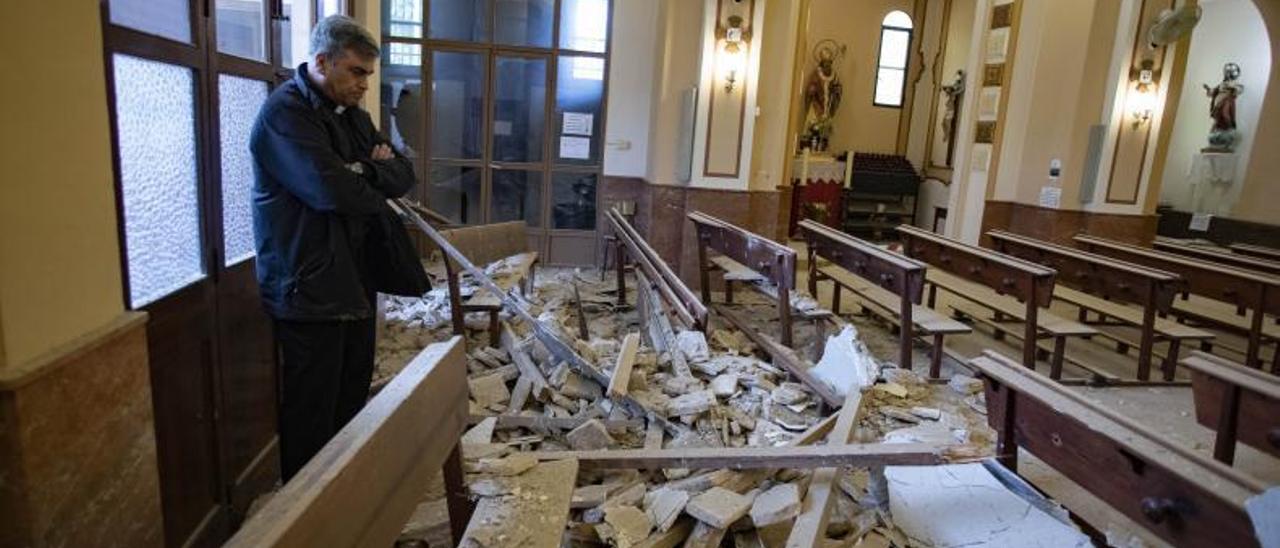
point(325, 371)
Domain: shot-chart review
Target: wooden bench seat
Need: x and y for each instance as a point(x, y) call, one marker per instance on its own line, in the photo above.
point(1048, 324)
point(736, 272)
point(483, 245)
point(885, 305)
point(1168, 330)
point(522, 277)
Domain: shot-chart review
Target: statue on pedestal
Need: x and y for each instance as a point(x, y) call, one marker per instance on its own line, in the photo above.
point(822, 93)
point(1222, 108)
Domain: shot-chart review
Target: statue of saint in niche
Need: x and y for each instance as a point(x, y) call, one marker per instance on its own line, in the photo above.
point(1222, 108)
point(822, 93)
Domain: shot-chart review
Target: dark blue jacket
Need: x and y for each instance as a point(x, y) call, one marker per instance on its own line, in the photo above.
point(317, 198)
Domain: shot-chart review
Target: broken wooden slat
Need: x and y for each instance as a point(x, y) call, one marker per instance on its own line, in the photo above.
point(362, 486)
point(687, 306)
point(659, 326)
point(583, 332)
point(621, 376)
point(895, 454)
point(811, 525)
point(554, 423)
point(523, 362)
point(517, 521)
point(783, 357)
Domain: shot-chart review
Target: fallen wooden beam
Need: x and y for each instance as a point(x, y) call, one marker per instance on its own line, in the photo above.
point(524, 363)
point(554, 345)
point(506, 422)
point(783, 357)
point(742, 458)
point(690, 310)
point(811, 525)
point(621, 376)
point(660, 331)
point(363, 485)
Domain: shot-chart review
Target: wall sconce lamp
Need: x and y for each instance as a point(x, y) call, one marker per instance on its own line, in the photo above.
point(733, 38)
point(1141, 101)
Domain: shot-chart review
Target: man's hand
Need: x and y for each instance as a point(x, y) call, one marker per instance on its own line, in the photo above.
point(382, 152)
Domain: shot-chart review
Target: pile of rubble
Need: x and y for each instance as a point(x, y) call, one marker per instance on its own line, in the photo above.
point(709, 391)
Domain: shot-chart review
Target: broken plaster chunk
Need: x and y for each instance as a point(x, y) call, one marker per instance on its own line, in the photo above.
point(481, 432)
point(489, 390)
point(725, 385)
point(579, 388)
point(589, 496)
point(693, 344)
point(512, 465)
point(665, 505)
point(681, 385)
point(776, 505)
point(964, 384)
point(718, 507)
point(892, 388)
point(846, 363)
point(590, 436)
point(898, 413)
point(789, 393)
point(629, 525)
point(490, 487)
point(931, 413)
point(692, 403)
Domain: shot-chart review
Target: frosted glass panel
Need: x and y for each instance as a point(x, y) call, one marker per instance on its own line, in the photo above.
point(240, 28)
point(584, 25)
point(893, 48)
point(889, 87)
point(167, 18)
point(238, 102)
point(155, 111)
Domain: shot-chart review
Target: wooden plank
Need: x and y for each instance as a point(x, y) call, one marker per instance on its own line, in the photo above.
point(927, 320)
point(1179, 495)
point(1256, 264)
point(621, 375)
point(783, 357)
point(553, 423)
point(741, 458)
point(810, 526)
point(1168, 329)
point(583, 332)
point(735, 271)
point(531, 523)
point(524, 362)
point(363, 485)
point(1221, 314)
point(1047, 321)
point(1257, 251)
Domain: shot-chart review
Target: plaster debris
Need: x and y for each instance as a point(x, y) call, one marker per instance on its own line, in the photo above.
point(778, 504)
point(590, 436)
point(725, 385)
point(628, 525)
point(964, 384)
point(718, 507)
point(489, 390)
point(508, 466)
point(691, 404)
point(846, 362)
point(664, 505)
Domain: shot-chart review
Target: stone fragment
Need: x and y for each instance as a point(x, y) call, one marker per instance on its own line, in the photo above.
point(964, 384)
point(664, 505)
point(846, 363)
point(789, 393)
point(681, 385)
point(931, 413)
point(718, 507)
point(475, 451)
point(490, 487)
point(481, 432)
point(631, 496)
point(692, 403)
point(892, 388)
point(629, 525)
point(693, 344)
point(512, 465)
point(899, 414)
point(590, 436)
point(579, 388)
point(778, 504)
point(588, 496)
point(725, 385)
point(489, 390)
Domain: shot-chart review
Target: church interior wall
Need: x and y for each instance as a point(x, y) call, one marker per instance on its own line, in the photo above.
point(1229, 31)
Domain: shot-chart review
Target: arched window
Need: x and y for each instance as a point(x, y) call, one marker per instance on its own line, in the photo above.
point(891, 69)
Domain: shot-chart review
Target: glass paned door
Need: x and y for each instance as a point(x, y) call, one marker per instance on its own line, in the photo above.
point(239, 100)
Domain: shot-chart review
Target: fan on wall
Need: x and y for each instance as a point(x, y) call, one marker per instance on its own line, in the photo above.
point(1172, 25)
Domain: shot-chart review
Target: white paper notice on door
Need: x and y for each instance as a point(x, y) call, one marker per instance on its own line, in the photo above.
point(1200, 222)
point(575, 148)
point(1050, 197)
point(577, 123)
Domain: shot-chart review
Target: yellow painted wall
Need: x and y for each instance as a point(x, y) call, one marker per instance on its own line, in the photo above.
point(59, 255)
point(859, 125)
point(777, 61)
point(1258, 201)
point(677, 53)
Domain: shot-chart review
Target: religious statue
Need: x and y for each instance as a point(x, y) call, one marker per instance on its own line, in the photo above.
point(822, 93)
point(1222, 108)
point(954, 92)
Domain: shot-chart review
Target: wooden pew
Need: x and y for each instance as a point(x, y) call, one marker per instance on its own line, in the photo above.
point(1180, 496)
point(891, 282)
point(1243, 289)
point(1237, 402)
point(670, 287)
point(1105, 282)
point(998, 278)
point(484, 244)
point(770, 260)
point(1237, 260)
point(362, 486)
point(1263, 252)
